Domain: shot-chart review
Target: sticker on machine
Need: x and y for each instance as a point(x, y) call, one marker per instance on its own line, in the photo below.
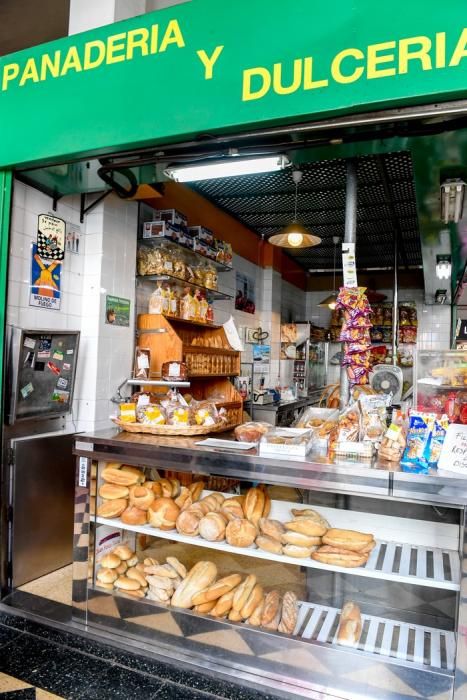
point(61, 396)
point(53, 368)
point(26, 390)
point(62, 383)
point(58, 355)
point(45, 346)
point(29, 343)
point(66, 367)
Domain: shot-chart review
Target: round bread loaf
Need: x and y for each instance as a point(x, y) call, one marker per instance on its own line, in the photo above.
point(107, 575)
point(112, 509)
point(212, 527)
point(163, 513)
point(188, 522)
point(123, 552)
point(240, 533)
point(268, 544)
point(141, 497)
point(271, 528)
point(127, 584)
point(134, 516)
point(110, 561)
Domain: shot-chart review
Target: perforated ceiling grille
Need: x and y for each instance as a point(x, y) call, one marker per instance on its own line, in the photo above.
point(386, 206)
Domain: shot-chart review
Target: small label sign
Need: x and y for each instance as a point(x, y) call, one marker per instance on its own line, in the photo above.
point(454, 452)
point(83, 472)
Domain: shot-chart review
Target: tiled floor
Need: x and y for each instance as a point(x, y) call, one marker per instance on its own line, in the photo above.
point(37, 661)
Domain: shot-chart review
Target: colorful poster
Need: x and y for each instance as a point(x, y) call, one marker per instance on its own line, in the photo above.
point(117, 311)
point(45, 282)
point(50, 237)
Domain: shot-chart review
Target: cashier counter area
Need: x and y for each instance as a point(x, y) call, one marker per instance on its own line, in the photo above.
point(269, 407)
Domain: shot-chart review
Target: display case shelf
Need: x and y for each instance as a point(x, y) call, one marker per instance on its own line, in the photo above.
point(214, 294)
point(189, 255)
point(413, 644)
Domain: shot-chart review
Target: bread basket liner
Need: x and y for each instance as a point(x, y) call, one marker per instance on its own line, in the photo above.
point(173, 429)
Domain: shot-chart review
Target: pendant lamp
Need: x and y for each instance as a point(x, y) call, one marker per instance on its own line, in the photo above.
point(295, 235)
point(331, 300)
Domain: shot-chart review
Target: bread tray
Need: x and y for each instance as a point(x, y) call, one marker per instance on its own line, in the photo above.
point(187, 430)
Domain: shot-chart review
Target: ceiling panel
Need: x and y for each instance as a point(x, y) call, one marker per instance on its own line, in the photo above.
point(386, 205)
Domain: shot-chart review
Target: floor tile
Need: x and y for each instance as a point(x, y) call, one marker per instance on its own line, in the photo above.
point(8, 634)
point(67, 674)
point(172, 691)
point(122, 684)
point(9, 683)
point(45, 695)
point(23, 657)
point(26, 694)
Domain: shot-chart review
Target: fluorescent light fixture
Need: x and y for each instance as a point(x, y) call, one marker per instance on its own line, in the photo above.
point(230, 167)
point(443, 267)
point(452, 200)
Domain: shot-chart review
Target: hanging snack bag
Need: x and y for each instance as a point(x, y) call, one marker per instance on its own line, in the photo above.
point(416, 453)
point(437, 440)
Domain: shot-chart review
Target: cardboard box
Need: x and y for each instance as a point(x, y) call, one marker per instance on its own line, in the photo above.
point(203, 234)
point(292, 449)
point(172, 216)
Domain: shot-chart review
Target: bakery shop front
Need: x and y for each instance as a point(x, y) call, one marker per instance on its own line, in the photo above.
point(235, 373)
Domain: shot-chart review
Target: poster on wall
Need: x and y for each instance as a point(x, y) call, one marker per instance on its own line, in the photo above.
point(45, 289)
point(261, 357)
point(117, 311)
point(50, 237)
point(73, 238)
point(245, 294)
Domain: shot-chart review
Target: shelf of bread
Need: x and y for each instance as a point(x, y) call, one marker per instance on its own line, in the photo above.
point(415, 551)
point(245, 600)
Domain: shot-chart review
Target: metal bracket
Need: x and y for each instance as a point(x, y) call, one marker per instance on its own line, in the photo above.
point(83, 209)
point(55, 199)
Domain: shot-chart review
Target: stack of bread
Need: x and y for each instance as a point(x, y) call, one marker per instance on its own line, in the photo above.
point(163, 579)
point(121, 569)
point(297, 538)
point(346, 548)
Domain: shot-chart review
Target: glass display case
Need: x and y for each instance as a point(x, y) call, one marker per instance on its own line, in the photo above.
point(196, 587)
point(318, 358)
point(441, 385)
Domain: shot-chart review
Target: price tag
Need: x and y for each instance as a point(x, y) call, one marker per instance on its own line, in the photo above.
point(349, 266)
point(83, 472)
point(453, 456)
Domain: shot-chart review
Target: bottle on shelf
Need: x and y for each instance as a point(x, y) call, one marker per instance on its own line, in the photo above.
point(210, 314)
point(203, 309)
point(196, 306)
point(166, 300)
point(156, 300)
point(186, 305)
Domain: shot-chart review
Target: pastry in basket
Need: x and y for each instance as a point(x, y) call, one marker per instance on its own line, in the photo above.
point(178, 416)
point(152, 414)
point(205, 414)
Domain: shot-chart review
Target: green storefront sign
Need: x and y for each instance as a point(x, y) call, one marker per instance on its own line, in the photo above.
point(209, 65)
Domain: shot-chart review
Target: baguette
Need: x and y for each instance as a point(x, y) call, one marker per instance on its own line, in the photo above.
point(339, 557)
point(243, 591)
point(217, 589)
point(307, 526)
point(255, 618)
point(347, 539)
point(201, 576)
point(350, 625)
point(235, 616)
point(289, 613)
point(223, 605)
point(254, 599)
point(254, 505)
point(271, 605)
point(205, 607)
point(119, 477)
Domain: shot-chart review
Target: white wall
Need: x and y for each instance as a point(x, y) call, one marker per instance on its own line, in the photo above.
point(88, 14)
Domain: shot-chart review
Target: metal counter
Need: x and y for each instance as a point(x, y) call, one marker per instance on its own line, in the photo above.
point(411, 621)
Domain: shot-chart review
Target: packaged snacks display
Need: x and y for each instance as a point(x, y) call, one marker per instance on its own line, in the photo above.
point(437, 440)
point(408, 315)
point(408, 334)
point(204, 413)
point(178, 414)
point(373, 421)
point(394, 440)
point(355, 333)
point(128, 412)
point(417, 453)
point(174, 371)
point(321, 420)
point(151, 414)
point(348, 428)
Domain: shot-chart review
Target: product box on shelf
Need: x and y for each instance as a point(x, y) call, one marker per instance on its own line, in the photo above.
point(205, 235)
point(286, 443)
point(172, 216)
point(163, 229)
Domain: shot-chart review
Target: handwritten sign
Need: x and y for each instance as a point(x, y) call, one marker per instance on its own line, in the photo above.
point(454, 453)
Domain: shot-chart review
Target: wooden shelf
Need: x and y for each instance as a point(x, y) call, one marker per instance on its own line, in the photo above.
point(212, 376)
point(176, 319)
point(209, 350)
point(414, 562)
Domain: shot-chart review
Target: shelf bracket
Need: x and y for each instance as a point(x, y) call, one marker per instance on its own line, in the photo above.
point(83, 209)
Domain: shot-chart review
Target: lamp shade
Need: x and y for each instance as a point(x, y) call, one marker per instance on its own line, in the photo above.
point(294, 236)
point(329, 302)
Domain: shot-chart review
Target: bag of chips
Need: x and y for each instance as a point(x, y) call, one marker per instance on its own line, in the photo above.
point(417, 451)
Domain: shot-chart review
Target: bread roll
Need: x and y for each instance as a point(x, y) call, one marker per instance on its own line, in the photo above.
point(150, 561)
point(123, 552)
point(184, 499)
point(139, 593)
point(119, 477)
point(134, 516)
point(293, 550)
point(163, 582)
point(188, 523)
point(127, 584)
point(110, 561)
point(175, 487)
point(223, 605)
point(299, 539)
point(306, 526)
point(134, 470)
point(163, 570)
point(196, 489)
point(242, 592)
point(255, 618)
point(240, 533)
point(133, 561)
point(310, 514)
point(268, 544)
point(347, 539)
point(106, 586)
point(163, 513)
point(177, 566)
point(205, 607)
point(289, 613)
point(271, 606)
point(254, 505)
point(157, 489)
point(210, 504)
point(267, 504)
point(137, 576)
point(121, 568)
point(107, 575)
point(235, 616)
point(217, 589)
point(112, 509)
point(166, 487)
point(200, 576)
point(271, 528)
point(232, 509)
point(254, 599)
point(350, 625)
point(212, 527)
point(368, 548)
point(111, 491)
point(158, 596)
point(339, 557)
point(141, 497)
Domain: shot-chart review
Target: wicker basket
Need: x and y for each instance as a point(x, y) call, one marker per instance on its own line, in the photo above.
point(188, 430)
